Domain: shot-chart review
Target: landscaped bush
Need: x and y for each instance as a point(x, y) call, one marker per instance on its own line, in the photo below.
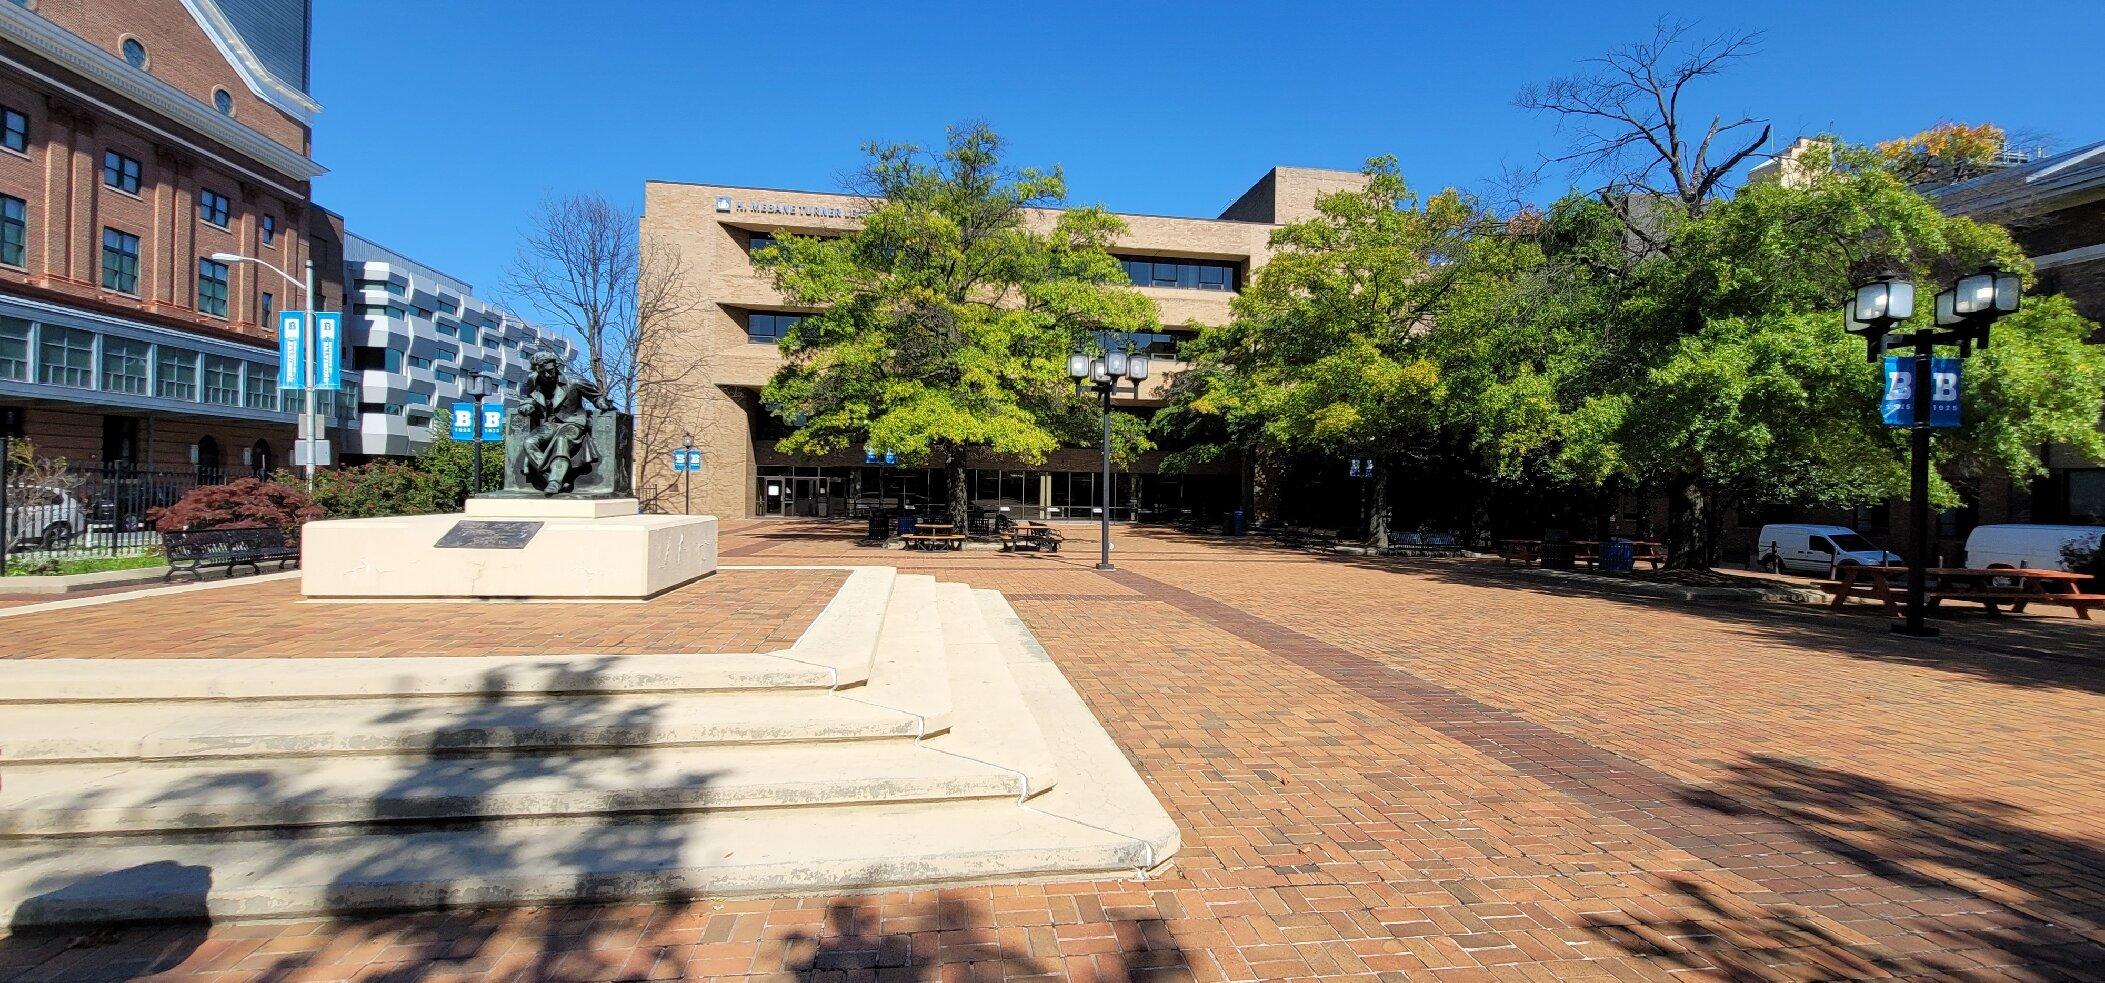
point(381, 488)
point(245, 503)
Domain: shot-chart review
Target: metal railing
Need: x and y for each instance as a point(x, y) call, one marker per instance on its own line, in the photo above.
point(50, 517)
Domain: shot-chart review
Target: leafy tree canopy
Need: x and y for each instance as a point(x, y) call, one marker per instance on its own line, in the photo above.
point(943, 323)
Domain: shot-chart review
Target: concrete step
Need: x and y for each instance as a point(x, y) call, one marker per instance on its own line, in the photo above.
point(466, 678)
point(321, 794)
point(182, 732)
point(911, 668)
point(993, 724)
point(1098, 784)
point(757, 853)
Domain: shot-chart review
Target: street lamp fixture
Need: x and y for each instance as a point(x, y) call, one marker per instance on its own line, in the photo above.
point(1961, 316)
point(687, 474)
point(479, 388)
point(1104, 373)
point(315, 438)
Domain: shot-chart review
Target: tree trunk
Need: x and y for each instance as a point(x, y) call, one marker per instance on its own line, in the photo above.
point(1378, 505)
point(960, 495)
point(1690, 525)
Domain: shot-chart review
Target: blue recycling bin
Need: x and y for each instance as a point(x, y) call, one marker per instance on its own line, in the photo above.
point(1235, 523)
point(1618, 556)
point(907, 523)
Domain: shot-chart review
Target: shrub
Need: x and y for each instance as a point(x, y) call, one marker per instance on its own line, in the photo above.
point(381, 488)
point(245, 503)
point(2080, 560)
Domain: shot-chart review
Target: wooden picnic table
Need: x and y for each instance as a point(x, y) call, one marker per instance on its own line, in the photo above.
point(933, 536)
point(1984, 586)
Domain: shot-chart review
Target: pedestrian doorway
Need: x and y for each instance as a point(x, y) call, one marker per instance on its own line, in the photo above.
point(819, 497)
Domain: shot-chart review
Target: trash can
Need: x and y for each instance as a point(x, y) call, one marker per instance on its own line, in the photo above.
point(1558, 551)
point(907, 523)
point(1618, 556)
point(880, 526)
point(1235, 523)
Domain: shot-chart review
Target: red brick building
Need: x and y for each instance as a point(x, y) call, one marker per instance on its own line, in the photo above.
point(137, 139)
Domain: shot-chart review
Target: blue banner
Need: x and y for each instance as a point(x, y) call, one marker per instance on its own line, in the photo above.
point(686, 460)
point(328, 351)
point(292, 353)
point(493, 422)
point(1897, 407)
point(464, 421)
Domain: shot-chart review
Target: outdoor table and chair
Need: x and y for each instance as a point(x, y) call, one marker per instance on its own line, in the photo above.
point(933, 536)
point(1991, 587)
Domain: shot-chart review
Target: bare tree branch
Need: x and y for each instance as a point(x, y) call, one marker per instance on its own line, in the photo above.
point(1626, 110)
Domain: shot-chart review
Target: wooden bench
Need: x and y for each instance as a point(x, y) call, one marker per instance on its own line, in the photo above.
point(1886, 585)
point(192, 552)
point(933, 540)
point(1308, 536)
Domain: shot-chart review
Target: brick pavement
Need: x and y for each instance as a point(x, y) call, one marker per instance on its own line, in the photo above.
point(1391, 770)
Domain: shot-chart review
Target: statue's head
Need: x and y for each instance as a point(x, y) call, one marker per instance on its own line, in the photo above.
point(545, 363)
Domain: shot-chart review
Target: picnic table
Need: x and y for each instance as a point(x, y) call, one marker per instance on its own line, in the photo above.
point(1028, 535)
point(1989, 587)
point(933, 536)
point(1525, 552)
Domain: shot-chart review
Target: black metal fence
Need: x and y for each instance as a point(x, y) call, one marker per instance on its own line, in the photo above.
point(51, 516)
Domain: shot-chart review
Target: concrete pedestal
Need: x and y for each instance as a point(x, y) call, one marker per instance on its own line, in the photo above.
point(584, 549)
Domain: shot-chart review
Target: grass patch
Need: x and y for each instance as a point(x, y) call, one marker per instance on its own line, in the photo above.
point(93, 564)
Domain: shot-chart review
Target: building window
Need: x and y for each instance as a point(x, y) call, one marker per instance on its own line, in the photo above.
point(262, 387)
point(766, 328)
point(14, 130)
point(447, 375)
point(213, 207)
point(419, 362)
point(447, 329)
point(270, 231)
point(222, 380)
point(223, 101)
point(369, 359)
point(269, 304)
point(66, 357)
point(14, 348)
point(120, 261)
point(1189, 274)
point(212, 287)
point(120, 172)
point(175, 374)
point(134, 53)
point(421, 399)
point(467, 332)
point(445, 354)
point(14, 229)
point(123, 366)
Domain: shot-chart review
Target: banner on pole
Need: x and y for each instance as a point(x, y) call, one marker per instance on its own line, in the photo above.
point(492, 422)
point(328, 354)
point(1897, 407)
point(464, 421)
point(292, 351)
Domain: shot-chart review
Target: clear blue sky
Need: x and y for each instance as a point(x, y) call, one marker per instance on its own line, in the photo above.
point(446, 121)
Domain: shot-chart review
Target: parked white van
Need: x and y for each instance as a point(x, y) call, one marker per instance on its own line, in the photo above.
point(1813, 549)
point(2029, 546)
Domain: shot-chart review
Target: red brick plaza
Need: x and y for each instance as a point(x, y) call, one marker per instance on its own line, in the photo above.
point(1401, 769)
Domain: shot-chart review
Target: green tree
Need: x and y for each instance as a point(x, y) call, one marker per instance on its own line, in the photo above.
point(1716, 369)
point(942, 324)
point(1333, 345)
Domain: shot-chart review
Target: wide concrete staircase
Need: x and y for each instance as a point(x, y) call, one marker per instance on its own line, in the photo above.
point(915, 734)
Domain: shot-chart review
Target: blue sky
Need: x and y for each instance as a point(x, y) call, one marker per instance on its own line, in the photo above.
point(447, 121)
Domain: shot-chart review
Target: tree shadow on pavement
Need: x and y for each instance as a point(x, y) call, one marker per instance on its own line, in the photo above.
point(108, 955)
point(1915, 884)
point(917, 942)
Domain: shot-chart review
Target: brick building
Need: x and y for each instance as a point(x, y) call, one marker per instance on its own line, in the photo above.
point(1190, 267)
point(136, 140)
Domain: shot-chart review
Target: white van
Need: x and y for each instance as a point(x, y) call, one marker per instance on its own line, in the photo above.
point(1814, 549)
point(2028, 546)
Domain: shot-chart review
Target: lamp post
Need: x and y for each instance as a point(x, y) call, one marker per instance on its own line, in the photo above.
point(1962, 318)
point(694, 458)
point(1104, 373)
point(314, 421)
point(478, 390)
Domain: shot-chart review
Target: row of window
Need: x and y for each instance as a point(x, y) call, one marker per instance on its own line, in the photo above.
point(56, 355)
point(1190, 274)
point(123, 173)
